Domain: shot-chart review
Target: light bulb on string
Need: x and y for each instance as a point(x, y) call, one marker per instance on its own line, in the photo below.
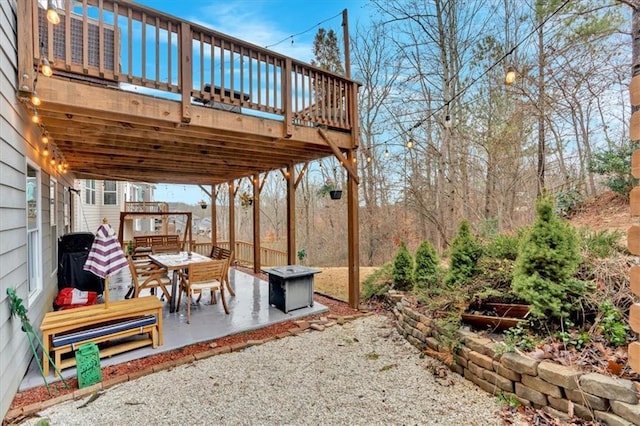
point(35, 99)
point(410, 143)
point(45, 139)
point(45, 151)
point(45, 68)
point(386, 150)
point(510, 76)
point(35, 118)
point(447, 121)
point(59, 165)
point(52, 161)
point(52, 13)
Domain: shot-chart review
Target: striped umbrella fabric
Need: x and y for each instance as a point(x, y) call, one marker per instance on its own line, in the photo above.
point(105, 256)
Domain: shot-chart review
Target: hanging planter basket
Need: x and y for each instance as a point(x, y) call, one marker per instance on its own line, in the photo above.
point(335, 194)
point(203, 205)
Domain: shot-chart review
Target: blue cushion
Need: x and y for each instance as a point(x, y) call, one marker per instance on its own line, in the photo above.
point(92, 333)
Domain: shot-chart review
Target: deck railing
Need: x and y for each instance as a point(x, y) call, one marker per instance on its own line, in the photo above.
point(243, 253)
point(146, 206)
point(120, 43)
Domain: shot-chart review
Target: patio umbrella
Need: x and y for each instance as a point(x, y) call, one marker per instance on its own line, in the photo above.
point(105, 257)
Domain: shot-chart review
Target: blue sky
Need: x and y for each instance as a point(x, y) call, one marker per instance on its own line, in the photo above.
point(267, 22)
point(264, 23)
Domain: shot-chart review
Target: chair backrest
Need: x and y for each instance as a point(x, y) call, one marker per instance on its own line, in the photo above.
point(207, 271)
point(156, 240)
point(133, 270)
point(165, 249)
point(216, 252)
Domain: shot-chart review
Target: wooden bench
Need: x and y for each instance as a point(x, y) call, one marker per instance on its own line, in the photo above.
point(146, 243)
point(63, 331)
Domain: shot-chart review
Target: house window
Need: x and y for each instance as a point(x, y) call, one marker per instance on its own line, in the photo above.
point(53, 205)
point(90, 192)
point(33, 229)
point(66, 225)
point(110, 193)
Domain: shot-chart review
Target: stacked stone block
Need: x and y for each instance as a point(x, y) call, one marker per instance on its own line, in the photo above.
point(560, 390)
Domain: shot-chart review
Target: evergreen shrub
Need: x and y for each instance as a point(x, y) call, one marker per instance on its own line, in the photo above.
point(428, 271)
point(549, 257)
point(403, 269)
point(464, 255)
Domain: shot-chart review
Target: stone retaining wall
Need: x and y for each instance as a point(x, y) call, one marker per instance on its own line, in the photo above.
point(557, 389)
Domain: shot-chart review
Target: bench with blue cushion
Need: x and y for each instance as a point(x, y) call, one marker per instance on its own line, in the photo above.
point(64, 331)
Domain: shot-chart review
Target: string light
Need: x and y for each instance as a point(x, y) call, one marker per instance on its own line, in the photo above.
point(410, 143)
point(52, 13)
point(45, 68)
point(386, 150)
point(510, 77)
point(45, 151)
point(35, 118)
point(45, 139)
point(499, 61)
point(52, 161)
point(35, 100)
point(302, 32)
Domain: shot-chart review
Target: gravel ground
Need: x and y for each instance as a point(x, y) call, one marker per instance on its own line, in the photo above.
point(361, 373)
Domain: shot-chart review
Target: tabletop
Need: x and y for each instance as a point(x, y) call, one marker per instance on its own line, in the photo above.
point(173, 261)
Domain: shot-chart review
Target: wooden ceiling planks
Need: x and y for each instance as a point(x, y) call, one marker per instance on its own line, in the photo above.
point(132, 136)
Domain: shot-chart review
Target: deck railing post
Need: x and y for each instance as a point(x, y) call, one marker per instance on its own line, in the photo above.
point(186, 71)
point(287, 104)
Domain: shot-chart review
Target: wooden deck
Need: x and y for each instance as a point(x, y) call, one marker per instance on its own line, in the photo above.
point(131, 99)
point(113, 115)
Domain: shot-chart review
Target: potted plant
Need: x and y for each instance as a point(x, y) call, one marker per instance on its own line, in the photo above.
point(302, 254)
point(330, 188)
point(246, 200)
point(203, 204)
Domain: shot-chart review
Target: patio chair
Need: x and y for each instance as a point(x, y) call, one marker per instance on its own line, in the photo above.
point(170, 248)
point(202, 276)
point(225, 254)
point(148, 276)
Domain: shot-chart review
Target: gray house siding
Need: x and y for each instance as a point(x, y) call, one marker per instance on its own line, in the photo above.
point(19, 143)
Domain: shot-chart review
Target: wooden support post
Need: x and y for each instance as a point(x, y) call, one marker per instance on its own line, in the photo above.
point(345, 37)
point(232, 217)
point(214, 215)
point(26, 47)
point(257, 263)
point(291, 215)
point(349, 164)
point(353, 238)
point(186, 77)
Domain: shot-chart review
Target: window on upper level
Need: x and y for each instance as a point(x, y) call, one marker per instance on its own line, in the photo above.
point(110, 193)
point(90, 192)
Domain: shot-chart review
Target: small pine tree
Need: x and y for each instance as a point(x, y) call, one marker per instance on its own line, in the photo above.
point(427, 273)
point(548, 260)
point(465, 252)
point(403, 269)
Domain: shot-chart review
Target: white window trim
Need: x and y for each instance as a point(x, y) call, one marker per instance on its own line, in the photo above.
point(104, 192)
point(94, 190)
point(33, 294)
point(54, 268)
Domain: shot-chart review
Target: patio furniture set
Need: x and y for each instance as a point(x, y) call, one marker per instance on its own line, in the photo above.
point(64, 331)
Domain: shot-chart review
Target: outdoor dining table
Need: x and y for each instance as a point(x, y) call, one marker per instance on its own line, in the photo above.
point(175, 262)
